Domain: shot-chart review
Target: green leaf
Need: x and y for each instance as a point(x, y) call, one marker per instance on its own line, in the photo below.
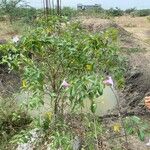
point(141, 135)
point(136, 119)
point(100, 91)
point(93, 107)
point(130, 130)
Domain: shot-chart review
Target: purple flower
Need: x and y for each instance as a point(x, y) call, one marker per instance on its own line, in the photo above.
point(65, 84)
point(109, 81)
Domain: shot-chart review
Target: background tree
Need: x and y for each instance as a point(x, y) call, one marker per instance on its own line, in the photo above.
point(9, 7)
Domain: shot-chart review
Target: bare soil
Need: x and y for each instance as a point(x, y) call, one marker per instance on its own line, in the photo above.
point(138, 26)
point(9, 82)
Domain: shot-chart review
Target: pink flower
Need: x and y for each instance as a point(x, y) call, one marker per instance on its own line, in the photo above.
point(108, 81)
point(65, 84)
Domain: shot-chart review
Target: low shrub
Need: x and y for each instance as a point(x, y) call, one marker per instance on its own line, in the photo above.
point(115, 12)
point(130, 10)
point(135, 125)
point(141, 13)
point(69, 12)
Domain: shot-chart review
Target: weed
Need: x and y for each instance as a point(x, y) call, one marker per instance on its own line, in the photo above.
point(134, 125)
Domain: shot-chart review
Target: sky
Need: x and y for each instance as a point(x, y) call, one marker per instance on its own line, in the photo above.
point(123, 4)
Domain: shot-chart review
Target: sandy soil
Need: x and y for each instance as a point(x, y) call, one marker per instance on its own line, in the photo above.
point(138, 26)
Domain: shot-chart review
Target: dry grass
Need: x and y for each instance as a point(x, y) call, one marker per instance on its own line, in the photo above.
point(7, 30)
point(147, 40)
point(139, 26)
point(141, 22)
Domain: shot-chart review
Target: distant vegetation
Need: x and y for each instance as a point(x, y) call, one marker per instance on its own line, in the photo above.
point(113, 12)
point(12, 11)
point(141, 13)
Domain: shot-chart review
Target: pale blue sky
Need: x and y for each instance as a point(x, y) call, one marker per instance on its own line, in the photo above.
point(123, 4)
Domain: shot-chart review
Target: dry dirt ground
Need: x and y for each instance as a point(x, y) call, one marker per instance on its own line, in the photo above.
point(138, 26)
point(138, 76)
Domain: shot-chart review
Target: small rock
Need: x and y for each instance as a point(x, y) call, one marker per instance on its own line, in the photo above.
point(25, 146)
point(77, 143)
point(148, 144)
point(15, 39)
